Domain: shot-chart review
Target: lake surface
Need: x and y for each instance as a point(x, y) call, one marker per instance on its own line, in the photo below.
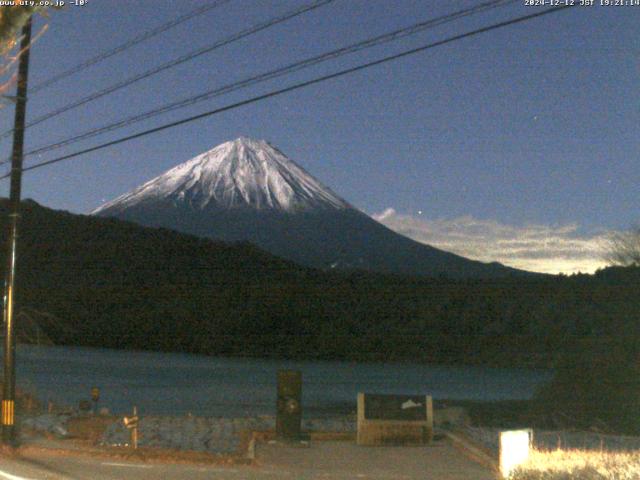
point(177, 384)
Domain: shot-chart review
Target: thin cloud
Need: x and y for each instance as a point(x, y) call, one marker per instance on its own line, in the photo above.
point(539, 248)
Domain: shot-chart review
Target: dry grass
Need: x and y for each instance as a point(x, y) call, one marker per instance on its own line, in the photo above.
point(579, 465)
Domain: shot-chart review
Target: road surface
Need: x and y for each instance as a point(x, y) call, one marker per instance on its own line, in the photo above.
point(319, 461)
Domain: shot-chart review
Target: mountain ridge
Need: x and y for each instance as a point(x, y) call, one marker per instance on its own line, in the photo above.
point(248, 190)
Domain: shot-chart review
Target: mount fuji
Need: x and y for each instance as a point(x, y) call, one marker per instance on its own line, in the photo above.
point(248, 190)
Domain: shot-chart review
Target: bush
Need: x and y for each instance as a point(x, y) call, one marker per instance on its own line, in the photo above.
point(597, 384)
point(578, 465)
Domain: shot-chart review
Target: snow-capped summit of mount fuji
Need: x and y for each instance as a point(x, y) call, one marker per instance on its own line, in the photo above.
point(240, 173)
point(247, 190)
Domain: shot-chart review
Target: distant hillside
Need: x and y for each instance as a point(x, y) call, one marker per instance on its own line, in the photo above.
point(114, 284)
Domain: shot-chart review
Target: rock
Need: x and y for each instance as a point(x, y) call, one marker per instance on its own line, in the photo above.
point(215, 435)
point(48, 422)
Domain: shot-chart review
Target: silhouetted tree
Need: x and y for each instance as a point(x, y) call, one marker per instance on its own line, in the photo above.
point(624, 248)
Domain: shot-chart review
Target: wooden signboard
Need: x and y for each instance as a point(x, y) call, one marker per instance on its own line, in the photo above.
point(394, 419)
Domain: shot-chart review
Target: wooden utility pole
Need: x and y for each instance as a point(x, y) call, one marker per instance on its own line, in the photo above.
point(9, 383)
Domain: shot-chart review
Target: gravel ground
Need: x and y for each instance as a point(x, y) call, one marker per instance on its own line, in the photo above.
point(553, 440)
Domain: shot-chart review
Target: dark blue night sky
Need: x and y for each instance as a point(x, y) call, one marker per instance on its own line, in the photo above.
point(519, 145)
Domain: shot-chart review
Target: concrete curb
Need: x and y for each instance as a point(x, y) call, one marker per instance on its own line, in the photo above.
point(473, 451)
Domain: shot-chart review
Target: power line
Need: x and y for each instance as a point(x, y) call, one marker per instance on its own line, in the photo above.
point(128, 44)
point(298, 86)
point(247, 82)
point(173, 63)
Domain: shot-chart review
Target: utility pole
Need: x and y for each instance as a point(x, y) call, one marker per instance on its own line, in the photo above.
point(9, 383)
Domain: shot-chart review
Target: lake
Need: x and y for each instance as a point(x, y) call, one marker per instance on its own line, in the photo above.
point(177, 384)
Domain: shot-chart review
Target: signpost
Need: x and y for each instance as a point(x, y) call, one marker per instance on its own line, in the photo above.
point(394, 419)
point(95, 397)
point(132, 424)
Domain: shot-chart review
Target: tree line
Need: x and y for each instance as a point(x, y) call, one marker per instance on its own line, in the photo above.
point(115, 284)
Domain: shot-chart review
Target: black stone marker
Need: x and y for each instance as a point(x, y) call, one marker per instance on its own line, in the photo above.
point(289, 405)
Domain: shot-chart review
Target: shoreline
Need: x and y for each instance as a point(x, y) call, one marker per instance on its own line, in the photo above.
point(524, 361)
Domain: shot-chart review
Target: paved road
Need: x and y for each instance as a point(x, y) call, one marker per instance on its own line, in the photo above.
point(320, 461)
point(344, 460)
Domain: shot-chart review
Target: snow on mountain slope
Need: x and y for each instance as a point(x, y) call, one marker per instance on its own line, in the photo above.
point(239, 173)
